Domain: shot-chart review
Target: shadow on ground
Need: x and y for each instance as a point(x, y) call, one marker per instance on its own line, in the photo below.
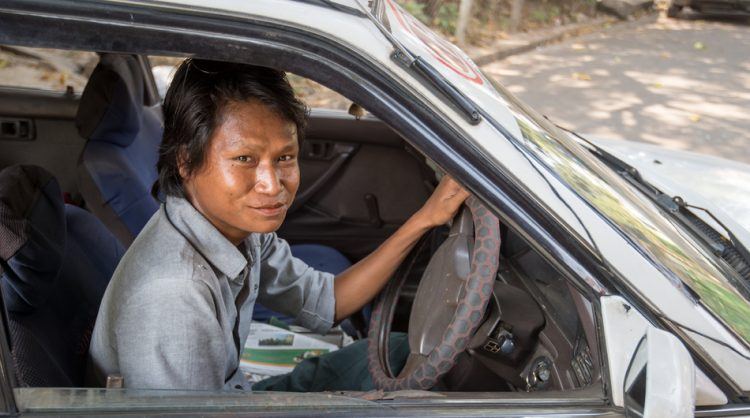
point(681, 83)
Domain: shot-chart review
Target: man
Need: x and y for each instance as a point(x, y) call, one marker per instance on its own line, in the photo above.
point(178, 309)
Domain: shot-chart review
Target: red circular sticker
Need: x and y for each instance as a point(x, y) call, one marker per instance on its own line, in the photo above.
point(443, 51)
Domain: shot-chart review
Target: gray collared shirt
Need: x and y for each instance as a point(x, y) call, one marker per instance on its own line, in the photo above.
point(168, 316)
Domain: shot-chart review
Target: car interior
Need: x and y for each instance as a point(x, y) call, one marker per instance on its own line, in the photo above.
point(77, 168)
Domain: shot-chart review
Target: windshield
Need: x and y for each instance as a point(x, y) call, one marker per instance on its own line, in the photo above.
point(690, 264)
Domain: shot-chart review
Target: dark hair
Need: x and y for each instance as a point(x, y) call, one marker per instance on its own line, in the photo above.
point(200, 91)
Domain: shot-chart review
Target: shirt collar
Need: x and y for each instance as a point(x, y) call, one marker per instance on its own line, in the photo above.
point(209, 242)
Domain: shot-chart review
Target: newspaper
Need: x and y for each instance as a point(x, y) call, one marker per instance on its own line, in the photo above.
point(271, 351)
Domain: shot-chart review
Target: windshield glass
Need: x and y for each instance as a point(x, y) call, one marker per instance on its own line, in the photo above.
point(638, 218)
point(670, 249)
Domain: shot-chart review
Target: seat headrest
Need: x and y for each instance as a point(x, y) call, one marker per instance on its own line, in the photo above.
point(32, 236)
point(112, 101)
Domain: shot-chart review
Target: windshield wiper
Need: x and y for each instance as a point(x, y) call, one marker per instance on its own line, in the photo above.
point(725, 246)
point(730, 252)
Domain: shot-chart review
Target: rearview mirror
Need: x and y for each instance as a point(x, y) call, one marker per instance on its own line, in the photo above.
point(660, 381)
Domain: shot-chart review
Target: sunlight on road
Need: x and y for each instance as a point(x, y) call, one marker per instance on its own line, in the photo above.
point(684, 84)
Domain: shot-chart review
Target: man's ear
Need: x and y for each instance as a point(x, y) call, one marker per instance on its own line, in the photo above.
point(182, 163)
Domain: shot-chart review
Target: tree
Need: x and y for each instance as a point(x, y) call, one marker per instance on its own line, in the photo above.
point(431, 8)
point(464, 14)
point(515, 14)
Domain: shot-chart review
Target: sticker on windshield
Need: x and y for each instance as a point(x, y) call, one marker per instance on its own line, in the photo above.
point(440, 49)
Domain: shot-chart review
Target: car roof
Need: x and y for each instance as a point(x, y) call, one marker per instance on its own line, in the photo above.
point(346, 22)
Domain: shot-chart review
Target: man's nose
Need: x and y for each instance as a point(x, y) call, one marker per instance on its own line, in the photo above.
point(267, 179)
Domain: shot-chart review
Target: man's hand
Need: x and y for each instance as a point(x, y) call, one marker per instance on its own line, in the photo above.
point(442, 206)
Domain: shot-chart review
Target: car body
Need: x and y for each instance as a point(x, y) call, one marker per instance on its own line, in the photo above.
point(721, 187)
point(636, 270)
point(711, 7)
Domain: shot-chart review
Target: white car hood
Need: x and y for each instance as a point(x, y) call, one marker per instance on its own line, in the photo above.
point(717, 184)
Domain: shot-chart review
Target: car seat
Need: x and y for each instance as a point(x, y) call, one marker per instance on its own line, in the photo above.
point(55, 261)
point(123, 131)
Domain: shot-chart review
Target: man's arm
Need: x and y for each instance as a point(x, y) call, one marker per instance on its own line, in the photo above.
point(168, 337)
point(361, 282)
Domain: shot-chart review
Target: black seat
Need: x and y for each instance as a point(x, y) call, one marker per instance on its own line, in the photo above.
point(56, 261)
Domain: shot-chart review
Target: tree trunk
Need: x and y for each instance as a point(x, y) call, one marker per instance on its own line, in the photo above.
point(515, 14)
point(464, 15)
point(431, 8)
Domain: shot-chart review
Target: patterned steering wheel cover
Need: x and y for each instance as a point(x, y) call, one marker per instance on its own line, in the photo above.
point(466, 319)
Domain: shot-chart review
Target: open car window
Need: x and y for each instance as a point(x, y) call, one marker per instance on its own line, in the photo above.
point(313, 94)
point(45, 69)
point(347, 207)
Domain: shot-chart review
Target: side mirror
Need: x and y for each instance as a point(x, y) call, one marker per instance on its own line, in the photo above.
point(660, 381)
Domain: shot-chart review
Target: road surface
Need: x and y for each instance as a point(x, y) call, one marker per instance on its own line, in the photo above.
point(683, 84)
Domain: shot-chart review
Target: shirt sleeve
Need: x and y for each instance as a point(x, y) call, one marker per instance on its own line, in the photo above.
point(168, 337)
point(290, 286)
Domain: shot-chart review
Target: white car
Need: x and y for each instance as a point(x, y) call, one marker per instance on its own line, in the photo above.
point(615, 293)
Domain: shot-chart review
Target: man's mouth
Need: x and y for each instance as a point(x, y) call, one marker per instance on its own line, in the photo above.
point(271, 210)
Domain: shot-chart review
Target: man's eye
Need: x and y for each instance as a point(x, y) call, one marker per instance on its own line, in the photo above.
point(243, 158)
point(286, 158)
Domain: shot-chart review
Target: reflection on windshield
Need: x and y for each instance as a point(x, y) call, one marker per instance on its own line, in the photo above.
point(638, 219)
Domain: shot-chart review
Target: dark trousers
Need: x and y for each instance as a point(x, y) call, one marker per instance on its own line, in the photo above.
point(344, 369)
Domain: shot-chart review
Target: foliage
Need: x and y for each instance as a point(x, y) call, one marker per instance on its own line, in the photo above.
point(545, 14)
point(492, 17)
point(416, 9)
point(445, 17)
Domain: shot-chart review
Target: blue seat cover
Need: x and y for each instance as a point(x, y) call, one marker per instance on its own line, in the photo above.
point(57, 262)
point(118, 165)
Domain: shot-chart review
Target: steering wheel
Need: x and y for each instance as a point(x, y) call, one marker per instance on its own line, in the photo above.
point(449, 305)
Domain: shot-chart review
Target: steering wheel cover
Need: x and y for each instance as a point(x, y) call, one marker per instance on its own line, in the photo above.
point(466, 319)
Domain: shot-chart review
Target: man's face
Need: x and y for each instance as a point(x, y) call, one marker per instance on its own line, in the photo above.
point(250, 174)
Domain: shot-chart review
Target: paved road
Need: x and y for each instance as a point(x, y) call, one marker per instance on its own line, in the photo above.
point(683, 84)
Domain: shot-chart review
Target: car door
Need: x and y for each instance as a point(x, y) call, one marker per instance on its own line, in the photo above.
point(39, 94)
point(40, 91)
point(359, 182)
